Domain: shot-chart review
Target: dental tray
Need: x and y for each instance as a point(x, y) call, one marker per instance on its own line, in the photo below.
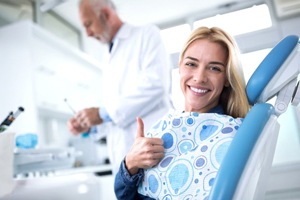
point(43, 160)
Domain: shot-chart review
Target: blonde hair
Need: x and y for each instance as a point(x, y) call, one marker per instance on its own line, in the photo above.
point(233, 98)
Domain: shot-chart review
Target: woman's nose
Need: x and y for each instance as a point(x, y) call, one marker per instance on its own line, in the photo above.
point(200, 76)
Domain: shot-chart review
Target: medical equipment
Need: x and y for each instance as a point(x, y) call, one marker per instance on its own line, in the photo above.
point(86, 134)
point(43, 160)
point(10, 119)
point(71, 108)
point(245, 169)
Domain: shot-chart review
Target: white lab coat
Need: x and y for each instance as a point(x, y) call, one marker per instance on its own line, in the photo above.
point(136, 82)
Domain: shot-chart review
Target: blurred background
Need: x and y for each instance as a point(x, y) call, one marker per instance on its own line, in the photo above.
point(46, 58)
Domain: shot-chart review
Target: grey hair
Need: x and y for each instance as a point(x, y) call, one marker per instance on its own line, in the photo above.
point(101, 3)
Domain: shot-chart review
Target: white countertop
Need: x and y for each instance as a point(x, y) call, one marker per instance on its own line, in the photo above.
point(85, 169)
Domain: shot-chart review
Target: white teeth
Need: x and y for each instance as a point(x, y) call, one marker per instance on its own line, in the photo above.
point(198, 90)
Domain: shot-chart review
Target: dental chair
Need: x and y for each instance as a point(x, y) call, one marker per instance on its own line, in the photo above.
point(244, 172)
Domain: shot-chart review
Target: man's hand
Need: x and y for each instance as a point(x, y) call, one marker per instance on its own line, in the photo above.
point(83, 120)
point(145, 152)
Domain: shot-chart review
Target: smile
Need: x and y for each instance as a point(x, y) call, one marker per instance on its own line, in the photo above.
point(198, 90)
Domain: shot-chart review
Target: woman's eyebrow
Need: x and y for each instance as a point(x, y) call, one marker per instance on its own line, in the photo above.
point(213, 62)
point(191, 58)
point(217, 63)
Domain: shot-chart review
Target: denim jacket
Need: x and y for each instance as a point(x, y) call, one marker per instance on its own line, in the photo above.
point(126, 185)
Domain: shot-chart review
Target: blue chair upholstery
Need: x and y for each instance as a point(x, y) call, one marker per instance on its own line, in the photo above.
point(269, 67)
point(249, 157)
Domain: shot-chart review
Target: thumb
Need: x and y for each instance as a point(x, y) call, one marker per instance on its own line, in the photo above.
point(140, 127)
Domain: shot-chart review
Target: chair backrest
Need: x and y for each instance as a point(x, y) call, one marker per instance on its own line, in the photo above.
point(245, 169)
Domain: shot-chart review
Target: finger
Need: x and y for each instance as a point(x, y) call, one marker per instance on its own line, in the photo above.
point(156, 155)
point(140, 127)
point(85, 123)
point(151, 162)
point(72, 123)
point(78, 115)
point(156, 141)
point(158, 148)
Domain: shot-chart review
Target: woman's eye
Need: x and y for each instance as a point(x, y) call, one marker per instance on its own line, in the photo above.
point(190, 64)
point(215, 68)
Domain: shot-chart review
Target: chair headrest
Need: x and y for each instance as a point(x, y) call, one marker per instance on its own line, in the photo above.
point(267, 69)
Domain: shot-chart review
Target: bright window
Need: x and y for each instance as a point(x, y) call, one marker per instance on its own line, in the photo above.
point(175, 37)
point(242, 21)
point(235, 23)
point(61, 28)
point(250, 61)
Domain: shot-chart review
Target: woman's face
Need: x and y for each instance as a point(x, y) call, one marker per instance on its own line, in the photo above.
point(203, 75)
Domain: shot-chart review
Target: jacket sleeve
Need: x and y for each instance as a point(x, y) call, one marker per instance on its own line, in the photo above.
point(125, 185)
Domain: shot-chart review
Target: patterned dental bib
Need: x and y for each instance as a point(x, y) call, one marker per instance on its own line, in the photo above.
point(195, 145)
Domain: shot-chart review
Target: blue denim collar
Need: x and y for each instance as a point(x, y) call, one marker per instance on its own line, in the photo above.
point(218, 109)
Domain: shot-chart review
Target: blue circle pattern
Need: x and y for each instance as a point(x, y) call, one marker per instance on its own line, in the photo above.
point(195, 145)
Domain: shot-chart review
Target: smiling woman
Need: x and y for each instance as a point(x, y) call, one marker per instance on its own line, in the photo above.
point(216, 52)
point(180, 155)
point(203, 75)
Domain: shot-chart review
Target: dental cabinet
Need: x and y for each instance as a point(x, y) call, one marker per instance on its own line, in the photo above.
point(38, 72)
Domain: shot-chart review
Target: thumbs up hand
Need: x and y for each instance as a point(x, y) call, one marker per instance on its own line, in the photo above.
point(140, 127)
point(145, 152)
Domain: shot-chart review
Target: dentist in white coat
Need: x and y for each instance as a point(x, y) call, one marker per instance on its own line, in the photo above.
point(136, 80)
